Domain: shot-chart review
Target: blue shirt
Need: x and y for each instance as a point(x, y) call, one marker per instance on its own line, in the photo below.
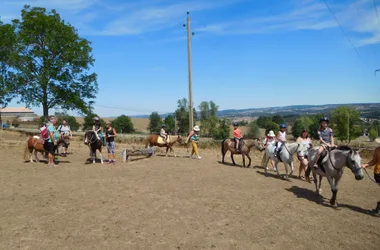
point(52, 129)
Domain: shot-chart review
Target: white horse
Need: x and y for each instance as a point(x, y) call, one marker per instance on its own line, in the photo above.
point(286, 156)
point(332, 166)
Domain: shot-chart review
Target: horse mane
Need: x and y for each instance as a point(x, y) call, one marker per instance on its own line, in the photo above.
point(344, 148)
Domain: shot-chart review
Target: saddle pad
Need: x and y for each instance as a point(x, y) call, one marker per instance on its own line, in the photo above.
point(160, 140)
point(41, 141)
point(36, 137)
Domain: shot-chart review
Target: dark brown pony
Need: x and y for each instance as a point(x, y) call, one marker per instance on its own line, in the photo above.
point(229, 145)
point(155, 140)
point(94, 144)
point(35, 144)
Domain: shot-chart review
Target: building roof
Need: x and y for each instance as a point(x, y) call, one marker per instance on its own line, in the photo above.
point(15, 110)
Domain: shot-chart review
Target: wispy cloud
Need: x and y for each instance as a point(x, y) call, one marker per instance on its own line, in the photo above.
point(134, 17)
point(358, 18)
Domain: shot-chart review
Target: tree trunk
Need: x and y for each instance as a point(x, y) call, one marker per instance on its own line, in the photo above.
point(45, 105)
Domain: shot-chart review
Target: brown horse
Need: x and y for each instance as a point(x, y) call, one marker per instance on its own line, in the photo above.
point(35, 144)
point(229, 145)
point(156, 140)
point(94, 144)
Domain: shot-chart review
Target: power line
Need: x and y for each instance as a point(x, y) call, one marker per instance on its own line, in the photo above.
point(340, 26)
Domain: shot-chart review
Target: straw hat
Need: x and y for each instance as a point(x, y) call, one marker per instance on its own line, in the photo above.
point(196, 128)
point(108, 122)
point(377, 140)
point(271, 133)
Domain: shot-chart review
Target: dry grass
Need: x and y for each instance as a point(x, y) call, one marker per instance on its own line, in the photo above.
point(173, 203)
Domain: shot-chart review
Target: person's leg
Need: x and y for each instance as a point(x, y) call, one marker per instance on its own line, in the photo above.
point(109, 152)
point(315, 162)
point(113, 152)
point(195, 148)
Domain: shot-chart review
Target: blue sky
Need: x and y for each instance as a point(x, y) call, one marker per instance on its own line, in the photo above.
point(246, 53)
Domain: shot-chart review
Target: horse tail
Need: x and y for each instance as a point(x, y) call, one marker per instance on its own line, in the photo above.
point(223, 146)
point(26, 150)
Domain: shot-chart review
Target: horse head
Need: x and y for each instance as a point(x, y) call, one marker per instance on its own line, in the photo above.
point(89, 137)
point(180, 139)
point(354, 162)
point(303, 150)
point(65, 137)
point(259, 144)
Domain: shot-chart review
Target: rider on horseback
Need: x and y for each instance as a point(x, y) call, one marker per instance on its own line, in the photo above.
point(237, 136)
point(97, 128)
point(326, 138)
point(163, 134)
point(281, 138)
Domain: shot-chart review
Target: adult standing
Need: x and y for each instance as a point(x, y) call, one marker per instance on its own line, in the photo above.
point(64, 130)
point(305, 141)
point(51, 143)
point(193, 137)
point(110, 139)
point(376, 172)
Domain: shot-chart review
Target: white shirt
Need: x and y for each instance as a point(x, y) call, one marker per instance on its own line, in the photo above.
point(282, 136)
point(64, 129)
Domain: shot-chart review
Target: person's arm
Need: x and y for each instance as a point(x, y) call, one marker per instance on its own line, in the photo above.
point(51, 133)
point(114, 132)
point(100, 129)
point(298, 140)
point(332, 138)
point(188, 137)
point(374, 159)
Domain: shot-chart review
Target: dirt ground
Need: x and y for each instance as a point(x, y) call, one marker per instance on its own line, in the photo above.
point(174, 203)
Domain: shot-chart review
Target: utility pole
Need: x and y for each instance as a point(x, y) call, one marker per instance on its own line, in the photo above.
point(189, 35)
point(348, 126)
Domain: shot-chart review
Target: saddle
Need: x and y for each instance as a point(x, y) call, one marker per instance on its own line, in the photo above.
point(241, 143)
point(39, 140)
point(160, 140)
point(322, 158)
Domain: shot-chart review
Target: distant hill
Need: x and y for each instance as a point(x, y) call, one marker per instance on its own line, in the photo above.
point(369, 110)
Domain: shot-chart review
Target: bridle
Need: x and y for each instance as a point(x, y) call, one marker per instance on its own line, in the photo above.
point(93, 138)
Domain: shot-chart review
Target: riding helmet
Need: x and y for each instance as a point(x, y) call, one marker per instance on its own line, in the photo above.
point(163, 126)
point(235, 124)
point(324, 119)
point(282, 125)
point(95, 118)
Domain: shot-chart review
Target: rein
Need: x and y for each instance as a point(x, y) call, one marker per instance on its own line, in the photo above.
point(374, 181)
point(92, 141)
point(332, 164)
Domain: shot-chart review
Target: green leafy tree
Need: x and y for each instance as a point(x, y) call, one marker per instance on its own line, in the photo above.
point(271, 126)
point(88, 122)
point(345, 119)
point(253, 130)
point(263, 120)
point(209, 118)
point(182, 116)
point(372, 134)
point(170, 123)
point(278, 119)
point(155, 122)
point(52, 62)
point(223, 131)
point(123, 124)
point(7, 77)
point(301, 123)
